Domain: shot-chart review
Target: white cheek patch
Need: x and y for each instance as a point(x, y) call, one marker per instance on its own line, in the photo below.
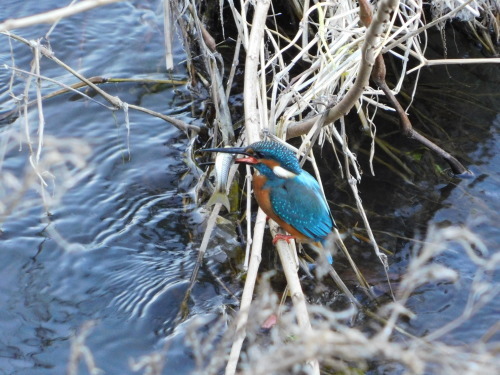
point(283, 173)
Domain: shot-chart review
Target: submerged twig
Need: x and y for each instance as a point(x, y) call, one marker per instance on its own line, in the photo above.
point(406, 126)
point(201, 254)
point(80, 351)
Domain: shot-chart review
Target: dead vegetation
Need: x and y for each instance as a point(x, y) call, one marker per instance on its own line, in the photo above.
point(342, 45)
point(342, 48)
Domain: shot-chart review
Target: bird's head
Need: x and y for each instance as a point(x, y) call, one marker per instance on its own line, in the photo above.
point(272, 159)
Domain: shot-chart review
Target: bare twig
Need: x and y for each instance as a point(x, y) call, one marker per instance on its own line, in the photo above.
point(369, 52)
point(426, 62)
point(378, 77)
point(115, 101)
point(80, 351)
point(428, 25)
point(168, 32)
point(212, 60)
point(54, 15)
point(253, 128)
point(246, 298)
point(252, 118)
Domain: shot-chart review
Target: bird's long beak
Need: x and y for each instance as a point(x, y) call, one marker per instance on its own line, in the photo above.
point(249, 159)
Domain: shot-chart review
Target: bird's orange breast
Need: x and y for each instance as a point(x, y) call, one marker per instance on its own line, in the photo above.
point(264, 201)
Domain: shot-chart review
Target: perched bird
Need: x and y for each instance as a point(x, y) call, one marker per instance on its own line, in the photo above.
point(285, 192)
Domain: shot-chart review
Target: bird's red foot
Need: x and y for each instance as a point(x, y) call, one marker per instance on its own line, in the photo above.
point(270, 322)
point(284, 237)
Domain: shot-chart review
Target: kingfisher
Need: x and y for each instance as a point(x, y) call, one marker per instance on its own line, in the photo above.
point(285, 192)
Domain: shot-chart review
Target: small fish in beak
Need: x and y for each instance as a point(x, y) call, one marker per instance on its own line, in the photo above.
point(223, 163)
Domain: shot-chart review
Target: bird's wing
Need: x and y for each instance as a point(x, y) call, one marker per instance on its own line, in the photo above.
point(300, 203)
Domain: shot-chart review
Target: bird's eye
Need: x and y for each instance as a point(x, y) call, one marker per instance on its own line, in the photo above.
point(254, 153)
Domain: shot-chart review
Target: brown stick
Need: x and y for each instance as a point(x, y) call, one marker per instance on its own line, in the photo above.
point(377, 72)
point(378, 76)
point(115, 101)
point(368, 57)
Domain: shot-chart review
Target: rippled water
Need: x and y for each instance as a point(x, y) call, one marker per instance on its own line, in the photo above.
point(120, 246)
point(126, 220)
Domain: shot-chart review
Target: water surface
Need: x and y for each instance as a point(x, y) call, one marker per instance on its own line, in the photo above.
point(119, 246)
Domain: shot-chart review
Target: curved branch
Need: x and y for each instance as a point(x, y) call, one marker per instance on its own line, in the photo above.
point(92, 82)
point(410, 132)
point(369, 52)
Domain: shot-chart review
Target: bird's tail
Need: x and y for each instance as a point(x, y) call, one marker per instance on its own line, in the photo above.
point(323, 248)
point(319, 247)
point(328, 247)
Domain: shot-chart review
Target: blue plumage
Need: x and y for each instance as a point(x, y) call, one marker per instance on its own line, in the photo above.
point(300, 203)
point(277, 152)
point(297, 200)
point(285, 192)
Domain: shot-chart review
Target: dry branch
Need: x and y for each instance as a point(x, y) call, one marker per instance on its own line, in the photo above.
point(246, 297)
point(406, 126)
point(253, 121)
point(369, 51)
point(115, 101)
point(378, 76)
point(54, 15)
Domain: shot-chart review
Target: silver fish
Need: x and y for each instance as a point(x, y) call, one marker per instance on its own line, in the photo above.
point(223, 163)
